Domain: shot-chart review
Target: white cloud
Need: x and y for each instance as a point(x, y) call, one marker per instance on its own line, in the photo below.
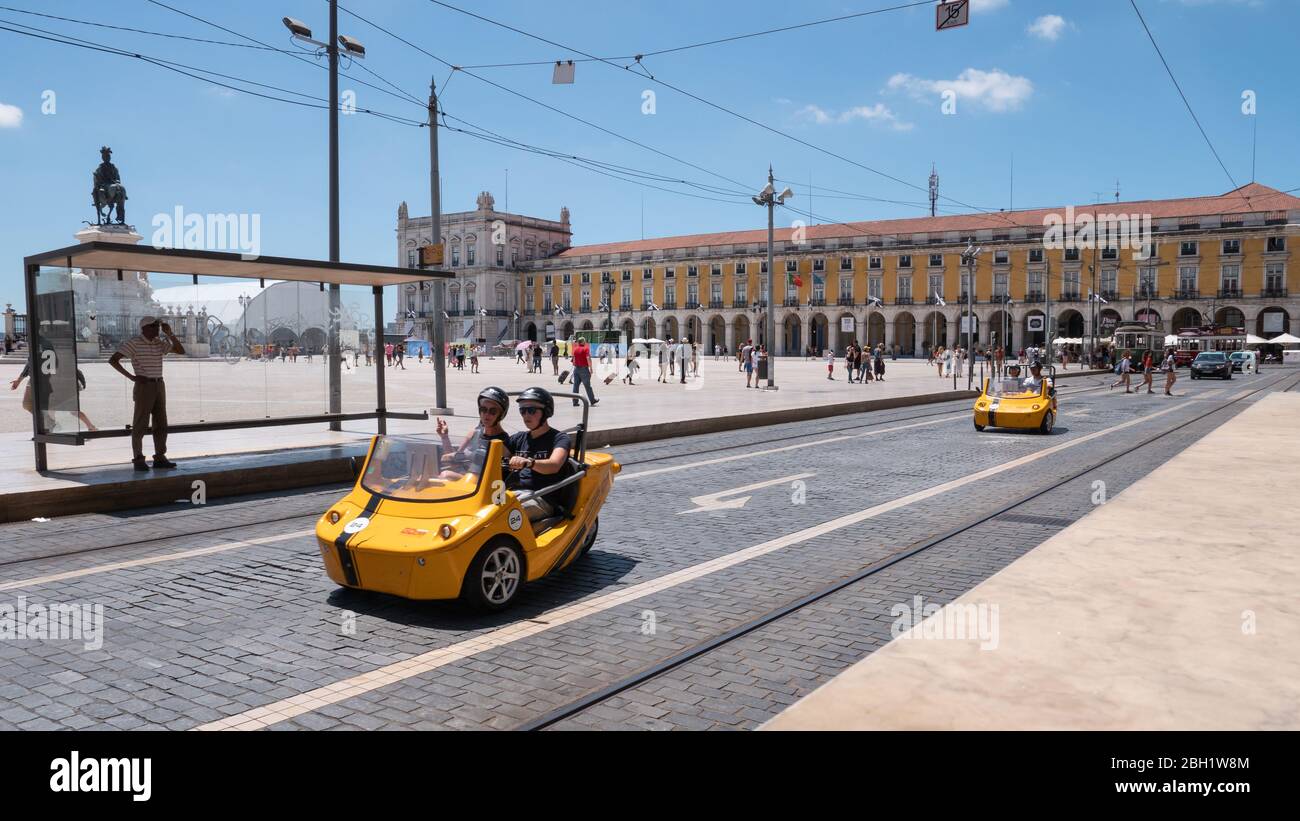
point(11, 116)
point(1047, 27)
point(878, 113)
point(988, 5)
point(993, 90)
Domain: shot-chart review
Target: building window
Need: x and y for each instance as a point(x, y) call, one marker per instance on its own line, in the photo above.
point(469, 253)
point(819, 265)
point(791, 266)
point(627, 295)
point(762, 290)
point(936, 260)
point(586, 300)
point(647, 273)
point(568, 279)
point(1036, 254)
point(715, 291)
point(819, 288)
point(791, 290)
point(876, 287)
point(1110, 253)
point(501, 255)
point(846, 263)
point(586, 277)
point(936, 286)
point(528, 281)
point(742, 292)
point(1036, 284)
point(1149, 251)
point(514, 255)
point(1147, 281)
point(546, 280)
point(762, 267)
point(1070, 284)
point(528, 302)
point(455, 255)
point(715, 270)
point(1109, 281)
point(875, 263)
point(1230, 278)
point(693, 293)
point(412, 258)
point(1001, 257)
point(846, 289)
point(904, 287)
point(1276, 245)
point(905, 261)
point(740, 269)
point(692, 271)
point(647, 295)
point(670, 295)
point(965, 293)
point(568, 301)
point(453, 303)
point(1000, 282)
point(670, 273)
point(1071, 255)
point(528, 252)
point(1274, 277)
point(469, 302)
point(1187, 276)
point(627, 276)
point(1188, 249)
point(1231, 246)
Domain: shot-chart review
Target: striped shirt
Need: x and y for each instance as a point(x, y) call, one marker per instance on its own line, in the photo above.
point(146, 355)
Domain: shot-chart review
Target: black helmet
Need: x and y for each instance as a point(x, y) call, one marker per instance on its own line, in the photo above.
point(539, 395)
point(1036, 364)
point(494, 394)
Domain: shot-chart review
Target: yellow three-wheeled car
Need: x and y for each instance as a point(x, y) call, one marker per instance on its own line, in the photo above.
point(1013, 402)
point(406, 530)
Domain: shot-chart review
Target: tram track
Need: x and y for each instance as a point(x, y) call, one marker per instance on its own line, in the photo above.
point(701, 649)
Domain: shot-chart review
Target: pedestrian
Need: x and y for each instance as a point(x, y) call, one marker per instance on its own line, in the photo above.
point(864, 364)
point(948, 357)
point(672, 357)
point(747, 360)
point(850, 360)
point(146, 352)
point(695, 359)
point(663, 363)
point(580, 356)
point(555, 358)
point(895, 356)
point(473, 359)
point(1125, 371)
point(880, 362)
point(45, 399)
point(633, 365)
point(420, 356)
point(537, 358)
point(1148, 369)
point(1170, 367)
point(684, 355)
point(388, 354)
point(399, 353)
point(830, 364)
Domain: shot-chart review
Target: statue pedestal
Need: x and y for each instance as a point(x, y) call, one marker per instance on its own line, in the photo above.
point(109, 233)
point(117, 305)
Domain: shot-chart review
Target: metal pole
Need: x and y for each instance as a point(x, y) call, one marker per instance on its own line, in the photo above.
point(435, 221)
point(335, 294)
point(970, 333)
point(378, 352)
point(771, 289)
point(1047, 320)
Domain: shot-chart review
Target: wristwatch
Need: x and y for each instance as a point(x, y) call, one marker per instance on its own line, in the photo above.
point(531, 462)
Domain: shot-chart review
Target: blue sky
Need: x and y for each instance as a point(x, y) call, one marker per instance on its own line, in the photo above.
point(1072, 90)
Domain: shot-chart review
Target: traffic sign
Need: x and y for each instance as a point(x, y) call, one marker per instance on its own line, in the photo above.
point(951, 15)
point(431, 255)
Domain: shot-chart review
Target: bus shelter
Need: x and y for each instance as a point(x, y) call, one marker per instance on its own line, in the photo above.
point(66, 334)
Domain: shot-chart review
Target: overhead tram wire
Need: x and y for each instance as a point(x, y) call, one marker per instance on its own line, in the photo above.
point(188, 71)
point(535, 101)
point(709, 103)
point(297, 55)
point(718, 41)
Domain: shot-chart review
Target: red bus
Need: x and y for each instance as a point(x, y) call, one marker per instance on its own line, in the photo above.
point(1192, 341)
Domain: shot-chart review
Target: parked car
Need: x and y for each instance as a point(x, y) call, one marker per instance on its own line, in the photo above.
point(1212, 363)
point(1240, 359)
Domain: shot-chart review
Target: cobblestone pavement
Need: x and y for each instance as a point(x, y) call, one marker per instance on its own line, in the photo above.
point(211, 612)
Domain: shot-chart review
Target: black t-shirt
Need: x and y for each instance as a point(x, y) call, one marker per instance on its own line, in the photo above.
point(539, 448)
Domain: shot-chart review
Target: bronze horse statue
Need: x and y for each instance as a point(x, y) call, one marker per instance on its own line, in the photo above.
point(108, 191)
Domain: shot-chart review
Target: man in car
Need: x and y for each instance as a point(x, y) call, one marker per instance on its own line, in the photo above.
point(1035, 380)
point(539, 455)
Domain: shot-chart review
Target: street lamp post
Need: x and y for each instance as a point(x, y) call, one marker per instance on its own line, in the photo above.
point(244, 301)
point(968, 258)
point(300, 31)
point(768, 197)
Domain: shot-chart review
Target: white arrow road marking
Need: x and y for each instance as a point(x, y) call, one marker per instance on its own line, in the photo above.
point(713, 501)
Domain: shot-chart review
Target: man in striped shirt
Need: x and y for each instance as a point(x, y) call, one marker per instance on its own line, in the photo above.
point(146, 352)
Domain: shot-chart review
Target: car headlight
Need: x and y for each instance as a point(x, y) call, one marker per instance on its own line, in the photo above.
point(1036, 407)
point(333, 517)
point(446, 531)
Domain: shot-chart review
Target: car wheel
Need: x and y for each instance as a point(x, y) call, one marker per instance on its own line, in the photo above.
point(978, 426)
point(591, 538)
point(1049, 422)
point(495, 577)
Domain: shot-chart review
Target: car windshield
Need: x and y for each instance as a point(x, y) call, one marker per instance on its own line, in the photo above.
point(421, 471)
point(1237, 355)
point(1210, 357)
point(1010, 386)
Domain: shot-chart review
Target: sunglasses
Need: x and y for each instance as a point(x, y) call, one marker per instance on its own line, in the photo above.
point(488, 409)
point(528, 410)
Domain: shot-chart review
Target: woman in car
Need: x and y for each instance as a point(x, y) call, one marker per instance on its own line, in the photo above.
point(492, 406)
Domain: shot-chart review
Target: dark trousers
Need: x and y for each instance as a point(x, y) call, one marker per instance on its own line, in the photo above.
point(582, 376)
point(150, 402)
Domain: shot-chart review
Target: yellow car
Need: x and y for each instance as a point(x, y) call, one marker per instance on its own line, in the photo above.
point(1007, 402)
point(413, 528)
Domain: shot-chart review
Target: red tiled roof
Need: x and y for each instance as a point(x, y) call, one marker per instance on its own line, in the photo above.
point(1248, 199)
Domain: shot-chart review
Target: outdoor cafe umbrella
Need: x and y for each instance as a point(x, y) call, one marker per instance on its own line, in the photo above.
point(1285, 339)
point(1251, 339)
